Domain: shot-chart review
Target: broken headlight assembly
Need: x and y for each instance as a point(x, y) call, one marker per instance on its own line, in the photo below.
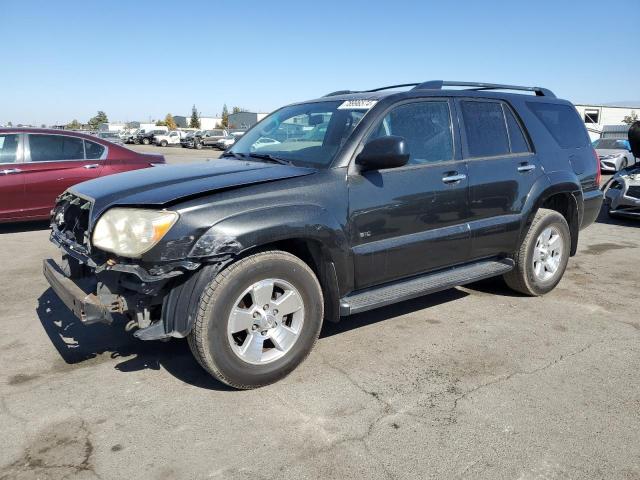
point(130, 232)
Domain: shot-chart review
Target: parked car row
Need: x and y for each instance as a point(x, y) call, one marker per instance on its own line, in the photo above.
point(37, 165)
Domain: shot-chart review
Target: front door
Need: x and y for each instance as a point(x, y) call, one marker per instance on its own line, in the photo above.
point(11, 176)
point(502, 171)
point(413, 219)
point(55, 162)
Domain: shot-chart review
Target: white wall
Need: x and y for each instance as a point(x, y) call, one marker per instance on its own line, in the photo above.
point(606, 115)
point(111, 127)
point(209, 123)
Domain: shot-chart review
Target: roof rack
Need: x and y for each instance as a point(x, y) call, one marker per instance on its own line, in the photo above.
point(438, 84)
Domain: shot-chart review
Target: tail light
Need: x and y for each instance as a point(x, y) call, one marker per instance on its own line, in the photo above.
point(598, 172)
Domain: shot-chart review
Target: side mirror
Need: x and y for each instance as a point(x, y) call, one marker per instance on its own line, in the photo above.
point(634, 138)
point(384, 152)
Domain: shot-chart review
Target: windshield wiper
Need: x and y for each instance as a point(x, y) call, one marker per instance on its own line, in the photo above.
point(270, 158)
point(232, 154)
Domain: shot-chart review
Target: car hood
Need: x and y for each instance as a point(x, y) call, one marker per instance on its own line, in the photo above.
point(165, 184)
point(609, 151)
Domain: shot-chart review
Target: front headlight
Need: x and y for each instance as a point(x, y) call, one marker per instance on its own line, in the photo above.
point(130, 232)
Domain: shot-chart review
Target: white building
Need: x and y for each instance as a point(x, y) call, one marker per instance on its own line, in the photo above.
point(206, 123)
point(111, 127)
point(596, 117)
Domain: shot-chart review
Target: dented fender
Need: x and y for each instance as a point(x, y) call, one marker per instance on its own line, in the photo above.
point(248, 230)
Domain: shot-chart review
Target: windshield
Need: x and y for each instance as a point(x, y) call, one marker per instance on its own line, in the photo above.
point(308, 134)
point(611, 143)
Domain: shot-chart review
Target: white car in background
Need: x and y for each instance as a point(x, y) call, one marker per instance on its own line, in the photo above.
point(615, 154)
point(169, 138)
point(228, 141)
point(264, 142)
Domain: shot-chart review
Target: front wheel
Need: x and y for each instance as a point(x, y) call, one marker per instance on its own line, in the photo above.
point(145, 141)
point(257, 320)
point(543, 255)
point(163, 143)
point(198, 146)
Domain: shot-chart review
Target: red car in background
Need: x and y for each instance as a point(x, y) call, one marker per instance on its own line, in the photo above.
point(37, 165)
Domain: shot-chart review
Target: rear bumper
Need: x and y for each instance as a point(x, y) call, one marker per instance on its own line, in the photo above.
point(86, 306)
point(592, 205)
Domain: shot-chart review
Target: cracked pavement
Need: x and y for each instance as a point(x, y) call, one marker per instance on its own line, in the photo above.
point(470, 383)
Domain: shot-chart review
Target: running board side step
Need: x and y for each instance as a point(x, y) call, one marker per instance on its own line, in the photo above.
point(417, 286)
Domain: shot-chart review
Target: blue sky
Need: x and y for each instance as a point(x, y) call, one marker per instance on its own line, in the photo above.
point(139, 60)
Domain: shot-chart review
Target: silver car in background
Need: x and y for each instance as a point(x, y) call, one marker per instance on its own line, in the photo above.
point(615, 154)
point(622, 193)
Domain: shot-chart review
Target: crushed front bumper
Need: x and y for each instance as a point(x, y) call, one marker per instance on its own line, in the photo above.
point(622, 194)
point(86, 306)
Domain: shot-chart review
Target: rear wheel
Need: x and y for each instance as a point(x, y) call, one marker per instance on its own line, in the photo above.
point(257, 320)
point(543, 255)
point(145, 141)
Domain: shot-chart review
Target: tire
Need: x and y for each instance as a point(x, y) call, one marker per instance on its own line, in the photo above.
point(163, 143)
point(145, 141)
point(524, 278)
point(211, 340)
point(198, 146)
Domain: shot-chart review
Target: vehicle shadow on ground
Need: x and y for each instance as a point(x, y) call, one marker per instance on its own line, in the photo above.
point(603, 217)
point(388, 313)
point(23, 227)
point(77, 343)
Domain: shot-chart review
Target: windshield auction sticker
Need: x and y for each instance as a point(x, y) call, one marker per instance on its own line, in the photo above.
point(357, 105)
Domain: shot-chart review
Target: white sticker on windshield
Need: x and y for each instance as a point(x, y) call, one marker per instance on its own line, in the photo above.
point(357, 104)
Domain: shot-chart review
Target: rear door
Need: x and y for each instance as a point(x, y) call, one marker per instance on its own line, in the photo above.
point(11, 176)
point(55, 162)
point(502, 171)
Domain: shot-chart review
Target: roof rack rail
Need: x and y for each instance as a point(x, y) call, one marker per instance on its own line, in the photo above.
point(339, 92)
point(345, 92)
point(438, 84)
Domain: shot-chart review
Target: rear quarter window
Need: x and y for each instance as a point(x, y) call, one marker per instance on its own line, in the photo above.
point(562, 122)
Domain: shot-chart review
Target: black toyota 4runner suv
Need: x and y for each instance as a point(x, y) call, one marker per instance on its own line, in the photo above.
point(397, 194)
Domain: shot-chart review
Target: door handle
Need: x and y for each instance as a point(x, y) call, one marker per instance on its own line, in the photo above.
point(9, 171)
point(454, 178)
point(526, 167)
point(90, 166)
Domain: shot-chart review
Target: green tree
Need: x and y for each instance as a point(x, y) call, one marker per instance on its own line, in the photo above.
point(170, 122)
point(195, 119)
point(629, 119)
point(74, 125)
point(225, 116)
point(94, 122)
point(161, 123)
point(238, 110)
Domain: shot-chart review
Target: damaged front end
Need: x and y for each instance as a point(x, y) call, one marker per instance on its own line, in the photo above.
point(143, 294)
point(622, 193)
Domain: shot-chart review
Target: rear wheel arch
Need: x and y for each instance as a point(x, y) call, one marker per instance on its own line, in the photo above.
point(559, 192)
point(566, 205)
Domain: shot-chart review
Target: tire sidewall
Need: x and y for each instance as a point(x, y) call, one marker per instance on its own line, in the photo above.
point(538, 286)
point(223, 300)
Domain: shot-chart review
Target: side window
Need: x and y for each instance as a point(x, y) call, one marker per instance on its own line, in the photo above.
point(519, 142)
point(93, 150)
point(486, 132)
point(8, 148)
point(563, 123)
point(425, 126)
point(55, 147)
